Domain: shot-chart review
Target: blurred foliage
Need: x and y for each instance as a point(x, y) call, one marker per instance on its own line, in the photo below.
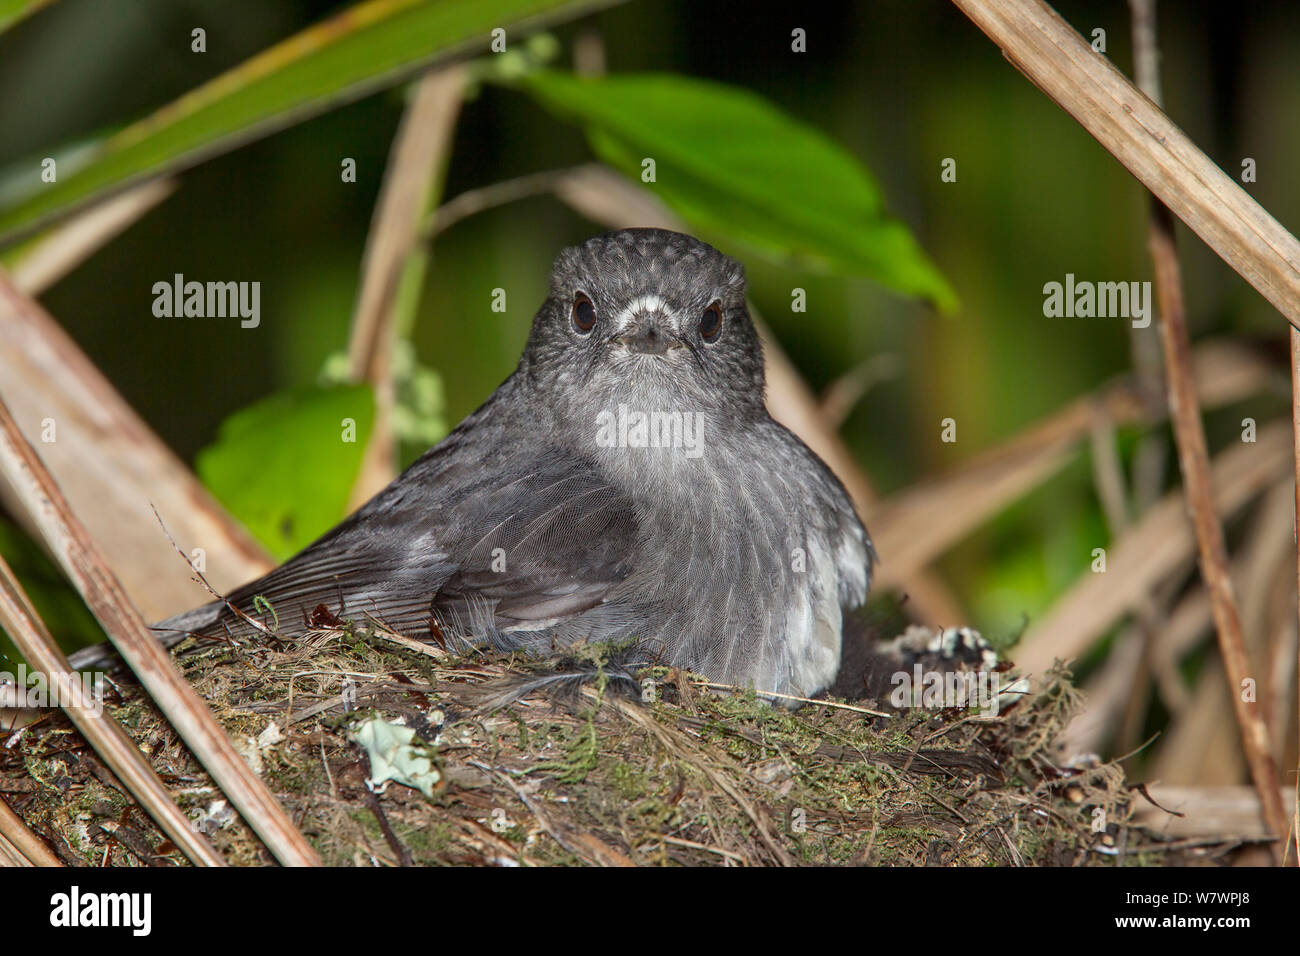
point(420, 402)
point(286, 466)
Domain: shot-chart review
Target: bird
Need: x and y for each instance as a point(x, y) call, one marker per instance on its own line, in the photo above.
point(625, 483)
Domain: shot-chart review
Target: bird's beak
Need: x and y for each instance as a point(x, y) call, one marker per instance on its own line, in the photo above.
point(647, 336)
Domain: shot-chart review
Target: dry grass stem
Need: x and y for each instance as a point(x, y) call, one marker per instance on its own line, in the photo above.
point(22, 846)
point(112, 468)
point(118, 752)
point(1194, 458)
point(71, 546)
point(395, 257)
point(1047, 50)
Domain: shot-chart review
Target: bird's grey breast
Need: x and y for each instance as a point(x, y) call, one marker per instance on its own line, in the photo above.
point(744, 556)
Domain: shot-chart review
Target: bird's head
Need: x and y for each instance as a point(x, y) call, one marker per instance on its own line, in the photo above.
point(650, 317)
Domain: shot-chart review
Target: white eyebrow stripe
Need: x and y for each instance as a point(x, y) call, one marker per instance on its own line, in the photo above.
point(642, 303)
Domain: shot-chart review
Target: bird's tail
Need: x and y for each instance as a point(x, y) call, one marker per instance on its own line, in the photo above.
point(316, 588)
point(169, 632)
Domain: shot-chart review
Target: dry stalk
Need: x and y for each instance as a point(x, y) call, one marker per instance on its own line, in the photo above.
point(1047, 50)
point(395, 261)
point(67, 540)
point(111, 466)
point(23, 841)
point(1194, 461)
point(118, 751)
point(65, 247)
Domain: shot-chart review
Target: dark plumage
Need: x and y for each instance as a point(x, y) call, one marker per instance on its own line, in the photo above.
point(550, 517)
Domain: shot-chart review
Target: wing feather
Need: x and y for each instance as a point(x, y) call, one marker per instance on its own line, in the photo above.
point(487, 554)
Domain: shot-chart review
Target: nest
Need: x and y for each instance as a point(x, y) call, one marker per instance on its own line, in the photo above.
point(528, 765)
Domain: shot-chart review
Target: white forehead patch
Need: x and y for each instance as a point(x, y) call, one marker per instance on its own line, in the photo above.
point(642, 303)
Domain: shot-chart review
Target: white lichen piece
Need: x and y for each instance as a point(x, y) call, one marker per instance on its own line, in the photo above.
point(396, 755)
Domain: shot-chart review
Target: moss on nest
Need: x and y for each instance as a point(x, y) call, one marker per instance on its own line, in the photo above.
point(586, 775)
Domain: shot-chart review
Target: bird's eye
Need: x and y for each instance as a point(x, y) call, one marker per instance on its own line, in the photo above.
point(711, 322)
point(584, 314)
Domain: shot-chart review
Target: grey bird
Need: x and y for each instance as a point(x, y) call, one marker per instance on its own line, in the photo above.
point(625, 484)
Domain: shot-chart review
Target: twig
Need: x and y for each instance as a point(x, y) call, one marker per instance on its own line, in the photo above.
point(1108, 475)
point(67, 540)
point(693, 845)
point(1057, 60)
point(837, 705)
point(395, 262)
point(372, 799)
point(33, 850)
point(117, 750)
point(201, 578)
point(1150, 456)
point(1112, 490)
point(474, 201)
point(401, 640)
point(1282, 651)
point(841, 395)
point(1193, 458)
point(109, 464)
point(589, 53)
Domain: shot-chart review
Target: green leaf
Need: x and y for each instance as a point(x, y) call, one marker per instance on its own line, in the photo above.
point(362, 49)
point(286, 466)
point(732, 164)
point(12, 11)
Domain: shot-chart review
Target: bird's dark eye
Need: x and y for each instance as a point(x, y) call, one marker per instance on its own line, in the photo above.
point(584, 314)
point(711, 322)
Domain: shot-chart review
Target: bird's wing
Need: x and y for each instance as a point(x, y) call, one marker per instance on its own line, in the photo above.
point(461, 547)
point(544, 549)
